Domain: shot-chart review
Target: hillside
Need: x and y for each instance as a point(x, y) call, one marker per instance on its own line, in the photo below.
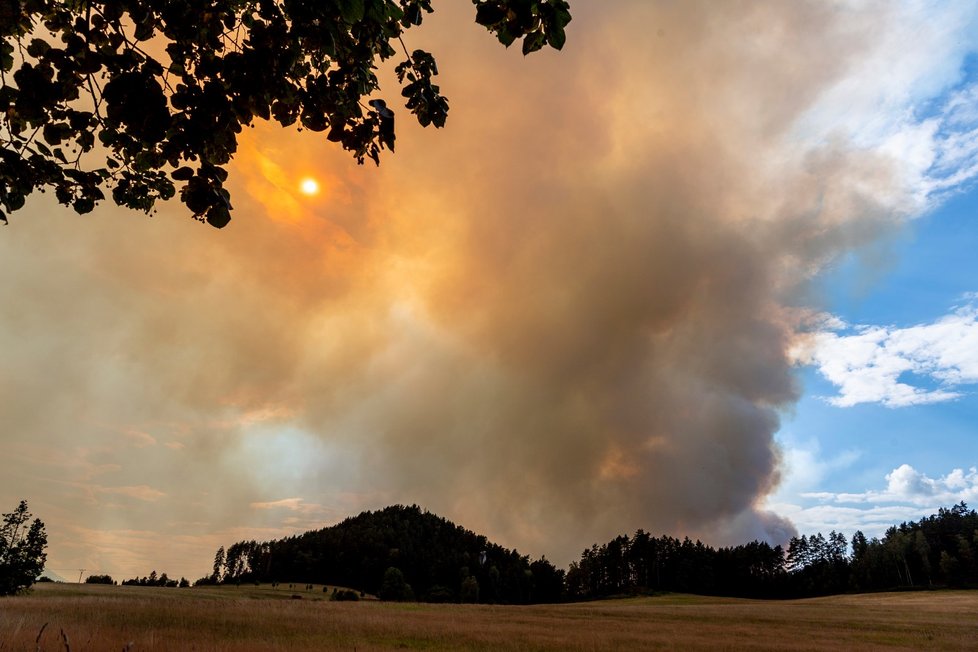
point(438, 560)
point(405, 553)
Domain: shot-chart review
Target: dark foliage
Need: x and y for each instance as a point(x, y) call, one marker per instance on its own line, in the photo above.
point(940, 550)
point(155, 580)
point(395, 588)
point(645, 564)
point(398, 553)
point(22, 555)
point(87, 105)
point(937, 551)
point(99, 579)
point(345, 595)
point(818, 565)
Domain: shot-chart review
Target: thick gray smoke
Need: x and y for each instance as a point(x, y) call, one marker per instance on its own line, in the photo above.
point(566, 316)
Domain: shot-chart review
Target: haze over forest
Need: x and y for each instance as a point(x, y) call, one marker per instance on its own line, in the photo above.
point(584, 307)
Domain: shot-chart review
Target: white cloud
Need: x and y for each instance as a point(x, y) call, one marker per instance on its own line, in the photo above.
point(870, 365)
point(905, 484)
point(805, 467)
point(872, 521)
point(956, 154)
point(908, 495)
point(935, 152)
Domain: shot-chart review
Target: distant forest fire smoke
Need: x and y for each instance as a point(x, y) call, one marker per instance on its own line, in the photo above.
point(565, 316)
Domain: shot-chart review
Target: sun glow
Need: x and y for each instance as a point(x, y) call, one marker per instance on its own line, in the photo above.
point(309, 187)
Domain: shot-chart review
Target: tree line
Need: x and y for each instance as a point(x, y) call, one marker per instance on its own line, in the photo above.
point(937, 551)
point(646, 564)
point(150, 580)
point(405, 553)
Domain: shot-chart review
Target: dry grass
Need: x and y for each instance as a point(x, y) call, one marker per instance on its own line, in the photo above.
point(251, 619)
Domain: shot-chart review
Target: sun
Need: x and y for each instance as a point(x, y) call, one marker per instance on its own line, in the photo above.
point(309, 187)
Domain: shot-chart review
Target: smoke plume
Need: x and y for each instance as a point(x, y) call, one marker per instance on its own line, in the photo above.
point(565, 316)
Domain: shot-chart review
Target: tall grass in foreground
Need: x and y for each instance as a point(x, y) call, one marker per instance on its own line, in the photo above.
point(110, 618)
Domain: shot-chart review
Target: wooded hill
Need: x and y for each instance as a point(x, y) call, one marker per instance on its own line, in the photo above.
point(405, 553)
point(435, 561)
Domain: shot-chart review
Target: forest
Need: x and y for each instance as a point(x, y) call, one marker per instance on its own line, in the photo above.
point(937, 551)
point(398, 553)
point(405, 553)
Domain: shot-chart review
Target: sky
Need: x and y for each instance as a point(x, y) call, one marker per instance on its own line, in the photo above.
point(707, 272)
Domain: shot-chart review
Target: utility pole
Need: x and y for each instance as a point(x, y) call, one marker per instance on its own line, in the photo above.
point(80, 571)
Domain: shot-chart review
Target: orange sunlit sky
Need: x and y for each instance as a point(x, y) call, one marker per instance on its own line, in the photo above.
point(582, 308)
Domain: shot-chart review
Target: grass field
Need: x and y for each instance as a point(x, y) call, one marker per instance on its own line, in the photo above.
point(262, 618)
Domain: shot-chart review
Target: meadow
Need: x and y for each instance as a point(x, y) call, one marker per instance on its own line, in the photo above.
point(250, 618)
